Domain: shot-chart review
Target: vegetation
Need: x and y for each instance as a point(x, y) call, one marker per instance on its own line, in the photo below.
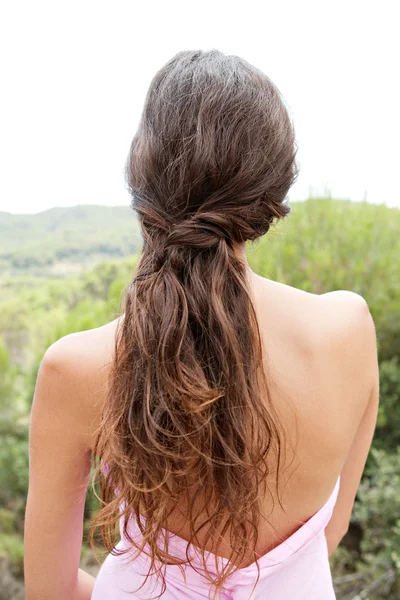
point(58, 241)
point(324, 245)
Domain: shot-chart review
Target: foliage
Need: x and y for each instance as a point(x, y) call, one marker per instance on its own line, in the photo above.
point(377, 508)
point(7, 521)
point(11, 546)
point(53, 241)
point(324, 245)
point(374, 571)
point(387, 434)
point(13, 437)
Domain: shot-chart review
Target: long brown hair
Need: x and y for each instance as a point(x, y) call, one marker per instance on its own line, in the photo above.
point(187, 410)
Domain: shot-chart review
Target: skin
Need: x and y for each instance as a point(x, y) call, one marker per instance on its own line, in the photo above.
point(321, 361)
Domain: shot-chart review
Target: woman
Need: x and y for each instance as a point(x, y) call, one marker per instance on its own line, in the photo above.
point(232, 415)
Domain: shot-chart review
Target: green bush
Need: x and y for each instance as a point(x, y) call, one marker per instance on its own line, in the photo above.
point(387, 434)
point(6, 521)
point(12, 548)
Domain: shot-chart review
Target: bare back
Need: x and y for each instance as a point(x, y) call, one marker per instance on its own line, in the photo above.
point(315, 358)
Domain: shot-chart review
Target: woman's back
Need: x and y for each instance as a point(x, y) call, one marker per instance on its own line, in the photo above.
point(317, 353)
point(321, 362)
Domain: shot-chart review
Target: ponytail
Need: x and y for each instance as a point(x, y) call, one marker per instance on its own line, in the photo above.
point(187, 413)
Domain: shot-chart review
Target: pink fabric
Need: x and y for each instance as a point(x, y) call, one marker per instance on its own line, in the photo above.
point(297, 569)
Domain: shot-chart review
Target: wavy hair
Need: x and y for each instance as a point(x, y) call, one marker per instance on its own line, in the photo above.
point(188, 421)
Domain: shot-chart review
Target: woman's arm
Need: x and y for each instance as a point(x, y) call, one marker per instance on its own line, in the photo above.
point(85, 585)
point(60, 460)
point(351, 475)
point(364, 339)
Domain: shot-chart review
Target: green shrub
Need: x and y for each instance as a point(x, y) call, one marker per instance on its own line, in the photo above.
point(6, 521)
point(12, 548)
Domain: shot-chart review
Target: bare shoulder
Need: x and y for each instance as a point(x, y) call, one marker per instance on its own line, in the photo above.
point(323, 316)
point(330, 340)
point(347, 305)
point(331, 336)
point(76, 368)
point(83, 351)
point(347, 315)
point(346, 331)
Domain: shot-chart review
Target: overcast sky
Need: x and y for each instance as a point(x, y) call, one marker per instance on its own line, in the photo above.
point(74, 75)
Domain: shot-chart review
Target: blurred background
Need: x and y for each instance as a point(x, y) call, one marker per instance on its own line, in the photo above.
point(74, 78)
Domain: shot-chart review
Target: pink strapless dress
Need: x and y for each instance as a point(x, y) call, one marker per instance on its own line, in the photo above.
point(297, 569)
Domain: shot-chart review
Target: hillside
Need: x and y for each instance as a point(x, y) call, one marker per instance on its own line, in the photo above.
point(62, 240)
point(323, 245)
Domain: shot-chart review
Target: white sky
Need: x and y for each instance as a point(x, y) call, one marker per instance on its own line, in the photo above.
point(74, 76)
